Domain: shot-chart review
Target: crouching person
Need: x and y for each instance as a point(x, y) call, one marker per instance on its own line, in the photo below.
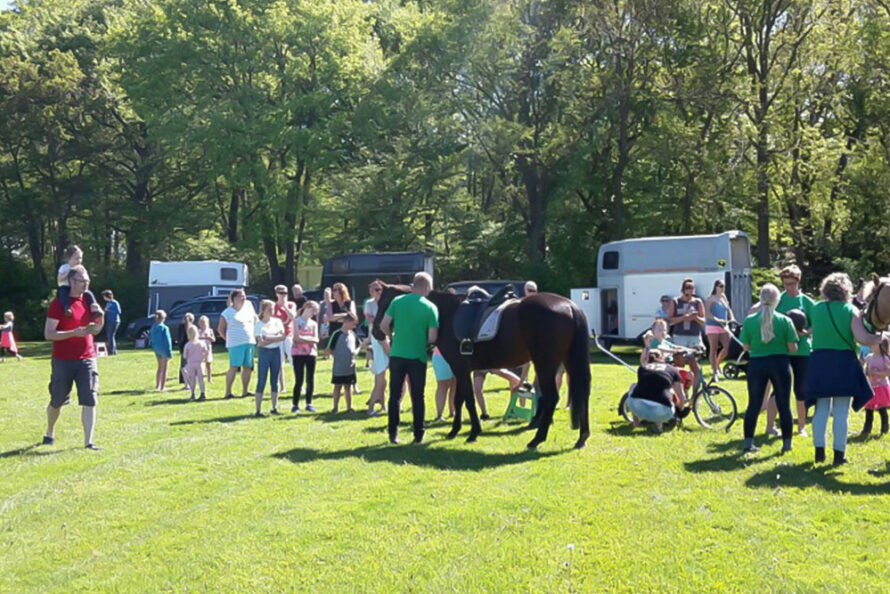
point(658, 394)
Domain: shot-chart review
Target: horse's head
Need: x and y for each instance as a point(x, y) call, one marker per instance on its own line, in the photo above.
point(876, 294)
point(388, 293)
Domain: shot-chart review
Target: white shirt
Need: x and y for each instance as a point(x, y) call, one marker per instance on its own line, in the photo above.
point(273, 327)
point(62, 275)
point(240, 325)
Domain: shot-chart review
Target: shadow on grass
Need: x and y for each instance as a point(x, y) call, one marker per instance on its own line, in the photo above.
point(730, 462)
point(183, 400)
point(442, 459)
point(806, 475)
point(229, 419)
point(30, 450)
point(127, 392)
point(625, 429)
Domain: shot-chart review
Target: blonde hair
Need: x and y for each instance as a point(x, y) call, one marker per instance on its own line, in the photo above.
point(192, 333)
point(160, 316)
point(308, 304)
point(8, 316)
point(660, 322)
point(423, 280)
point(205, 320)
point(266, 304)
point(189, 318)
point(769, 299)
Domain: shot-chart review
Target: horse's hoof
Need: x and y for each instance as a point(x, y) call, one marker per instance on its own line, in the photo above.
point(472, 438)
point(451, 434)
point(533, 444)
point(581, 443)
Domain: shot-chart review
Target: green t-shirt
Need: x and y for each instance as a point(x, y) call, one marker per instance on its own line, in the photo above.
point(804, 303)
point(784, 331)
point(825, 336)
point(412, 317)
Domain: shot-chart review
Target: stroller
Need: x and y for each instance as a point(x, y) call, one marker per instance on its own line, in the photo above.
point(735, 369)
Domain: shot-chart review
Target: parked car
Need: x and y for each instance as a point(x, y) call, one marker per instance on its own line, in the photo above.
point(211, 307)
point(490, 286)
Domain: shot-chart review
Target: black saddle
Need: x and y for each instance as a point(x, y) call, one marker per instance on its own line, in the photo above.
point(473, 311)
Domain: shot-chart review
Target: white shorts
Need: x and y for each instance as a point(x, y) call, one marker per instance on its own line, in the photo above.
point(287, 346)
point(380, 360)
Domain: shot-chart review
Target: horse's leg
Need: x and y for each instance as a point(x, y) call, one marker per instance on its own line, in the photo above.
point(546, 403)
point(460, 394)
point(475, 425)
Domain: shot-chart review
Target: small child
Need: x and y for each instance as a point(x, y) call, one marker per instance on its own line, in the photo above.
point(205, 333)
point(877, 366)
point(305, 354)
point(162, 345)
point(74, 257)
point(344, 346)
point(7, 339)
point(194, 353)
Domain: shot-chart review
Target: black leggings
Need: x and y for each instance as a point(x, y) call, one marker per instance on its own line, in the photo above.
point(799, 367)
point(415, 371)
point(304, 363)
point(774, 369)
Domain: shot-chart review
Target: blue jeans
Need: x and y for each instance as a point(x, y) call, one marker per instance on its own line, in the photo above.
point(110, 331)
point(270, 364)
point(841, 411)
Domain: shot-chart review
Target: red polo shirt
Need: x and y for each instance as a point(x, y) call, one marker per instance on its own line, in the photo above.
point(76, 347)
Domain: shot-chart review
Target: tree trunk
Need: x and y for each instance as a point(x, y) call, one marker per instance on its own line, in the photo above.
point(234, 204)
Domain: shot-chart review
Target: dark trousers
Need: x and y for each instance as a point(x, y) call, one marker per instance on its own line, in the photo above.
point(415, 370)
point(799, 368)
point(774, 369)
point(304, 367)
point(110, 331)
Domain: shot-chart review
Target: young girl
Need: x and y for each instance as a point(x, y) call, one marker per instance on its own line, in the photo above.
point(344, 346)
point(305, 354)
point(194, 353)
point(7, 340)
point(269, 335)
point(74, 257)
point(206, 335)
point(717, 315)
point(162, 345)
point(877, 366)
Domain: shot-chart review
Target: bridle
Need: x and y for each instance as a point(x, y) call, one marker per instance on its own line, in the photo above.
point(873, 322)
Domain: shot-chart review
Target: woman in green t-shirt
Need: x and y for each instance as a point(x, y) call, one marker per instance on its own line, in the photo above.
point(835, 378)
point(769, 337)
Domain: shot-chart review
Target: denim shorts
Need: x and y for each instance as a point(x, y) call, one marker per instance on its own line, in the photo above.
point(241, 356)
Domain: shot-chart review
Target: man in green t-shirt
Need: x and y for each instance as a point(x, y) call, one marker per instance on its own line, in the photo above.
point(412, 322)
point(793, 298)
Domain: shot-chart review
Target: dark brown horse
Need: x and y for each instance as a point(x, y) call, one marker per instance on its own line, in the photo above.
point(546, 329)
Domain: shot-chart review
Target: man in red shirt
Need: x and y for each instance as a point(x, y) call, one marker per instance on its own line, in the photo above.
point(74, 357)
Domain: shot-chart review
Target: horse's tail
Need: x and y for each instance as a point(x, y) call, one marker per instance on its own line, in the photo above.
point(578, 368)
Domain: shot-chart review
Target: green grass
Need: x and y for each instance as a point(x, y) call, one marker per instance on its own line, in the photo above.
point(199, 496)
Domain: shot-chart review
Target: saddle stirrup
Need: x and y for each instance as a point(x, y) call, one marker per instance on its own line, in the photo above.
point(466, 346)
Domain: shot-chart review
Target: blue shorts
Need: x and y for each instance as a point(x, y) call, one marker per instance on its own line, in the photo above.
point(163, 354)
point(442, 369)
point(241, 355)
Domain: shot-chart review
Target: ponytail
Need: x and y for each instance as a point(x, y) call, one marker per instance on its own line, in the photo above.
point(769, 299)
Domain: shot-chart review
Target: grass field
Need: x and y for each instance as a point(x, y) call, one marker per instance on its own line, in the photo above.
point(201, 496)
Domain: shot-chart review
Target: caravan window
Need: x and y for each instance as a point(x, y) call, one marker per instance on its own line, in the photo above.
point(228, 274)
point(340, 266)
point(610, 261)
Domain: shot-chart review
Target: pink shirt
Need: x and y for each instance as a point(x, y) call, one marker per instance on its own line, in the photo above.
point(877, 362)
point(309, 329)
point(195, 353)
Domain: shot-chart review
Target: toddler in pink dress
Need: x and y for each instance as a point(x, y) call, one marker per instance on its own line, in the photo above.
point(877, 366)
point(194, 353)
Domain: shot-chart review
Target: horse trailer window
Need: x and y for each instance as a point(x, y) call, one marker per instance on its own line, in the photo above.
point(340, 266)
point(228, 274)
point(610, 261)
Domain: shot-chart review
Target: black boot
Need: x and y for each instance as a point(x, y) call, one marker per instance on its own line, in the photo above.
point(820, 455)
point(884, 423)
point(869, 421)
point(839, 458)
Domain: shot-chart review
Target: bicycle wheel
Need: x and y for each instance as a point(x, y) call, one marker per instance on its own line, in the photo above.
point(623, 410)
point(714, 408)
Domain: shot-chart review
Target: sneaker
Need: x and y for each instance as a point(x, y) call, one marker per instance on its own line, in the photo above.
point(772, 431)
point(259, 415)
point(802, 433)
point(92, 446)
point(274, 411)
point(310, 408)
point(202, 398)
point(295, 409)
point(193, 396)
point(394, 439)
point(751, 449)
point(48, 440)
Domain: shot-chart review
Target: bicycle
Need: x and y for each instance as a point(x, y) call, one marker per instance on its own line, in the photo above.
point(713, 406)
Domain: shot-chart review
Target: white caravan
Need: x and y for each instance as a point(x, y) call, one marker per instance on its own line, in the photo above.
point(172, 282)
point(633, 274)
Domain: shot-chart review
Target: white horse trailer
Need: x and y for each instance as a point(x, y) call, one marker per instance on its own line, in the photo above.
point(633, 274)
point(172, 282)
